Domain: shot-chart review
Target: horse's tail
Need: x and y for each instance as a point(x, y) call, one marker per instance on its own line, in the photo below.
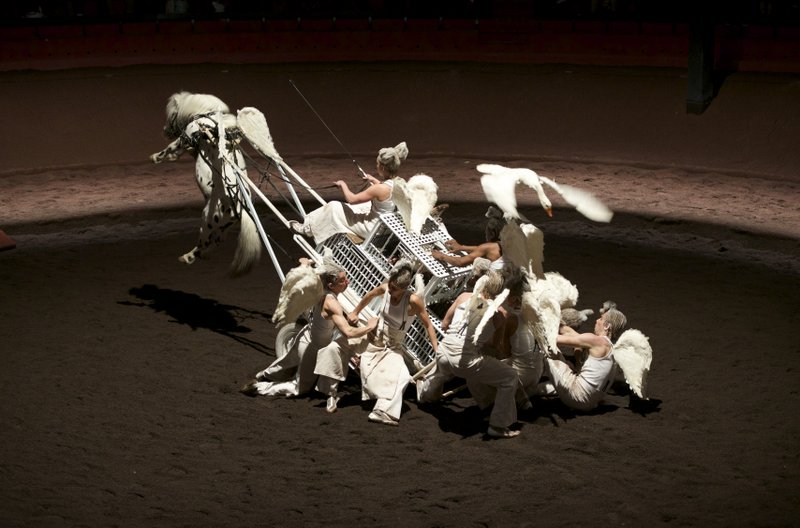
point(248, 251)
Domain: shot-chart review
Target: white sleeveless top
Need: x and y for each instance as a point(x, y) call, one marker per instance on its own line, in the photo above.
point(599, 372)
point(458, 333)
point(321, 329)
point(395, 320)
point(497, 265)
point(387, 205)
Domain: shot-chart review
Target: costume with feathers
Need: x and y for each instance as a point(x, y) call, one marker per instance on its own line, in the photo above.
point(461, 354)
point(296, 371)
point(415, 200)
point(500, 187)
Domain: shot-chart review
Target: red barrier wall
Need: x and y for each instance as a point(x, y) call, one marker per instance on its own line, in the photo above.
point(514, 40)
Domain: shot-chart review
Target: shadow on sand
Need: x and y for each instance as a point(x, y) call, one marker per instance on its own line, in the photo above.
point(200, 313)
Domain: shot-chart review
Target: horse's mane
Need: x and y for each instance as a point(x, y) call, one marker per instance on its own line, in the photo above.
point(184, 107)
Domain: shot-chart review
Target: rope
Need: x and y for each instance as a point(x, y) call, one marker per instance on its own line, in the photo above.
point(264, 172)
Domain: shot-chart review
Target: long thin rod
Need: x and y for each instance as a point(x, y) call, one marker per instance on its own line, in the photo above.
point(363, 174)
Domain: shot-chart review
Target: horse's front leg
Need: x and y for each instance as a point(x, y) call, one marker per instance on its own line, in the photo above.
point(218, 216)
point(172, 152)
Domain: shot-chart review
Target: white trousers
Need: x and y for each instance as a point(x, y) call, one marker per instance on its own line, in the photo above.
point(479, 372)
point(571, 388)
point(384, 377)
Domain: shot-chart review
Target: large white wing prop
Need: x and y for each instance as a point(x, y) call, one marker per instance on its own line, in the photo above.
point(541, 308)
point(562, 290)
point(491, 309)
point(542, 313)
point(253, 125)
point(575, 318)
point(584, 202)
point(301, 289)
point(633, 355)
point(415, 200)
point(523, 247)
point(419, 285)
point(499, 185)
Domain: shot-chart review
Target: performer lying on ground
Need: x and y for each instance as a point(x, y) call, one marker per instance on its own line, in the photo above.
point(360, 214)
point(585, 390)
point(489, 250)
point(460, 356)
point(294, 374)
point(384, 374)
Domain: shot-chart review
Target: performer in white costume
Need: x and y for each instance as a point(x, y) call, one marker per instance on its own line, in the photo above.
point(294, 374)
point(462, 355)
point(519, 345)
point(360, 214)
point(384, 374)
point(584, 390)
point(490, 249)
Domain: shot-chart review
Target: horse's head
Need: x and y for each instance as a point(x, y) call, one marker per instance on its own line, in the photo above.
point(183, 107)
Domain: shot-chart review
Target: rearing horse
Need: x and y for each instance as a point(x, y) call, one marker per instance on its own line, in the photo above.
point(202, 125)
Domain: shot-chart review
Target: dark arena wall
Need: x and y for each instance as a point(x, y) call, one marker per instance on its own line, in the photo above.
point(94, 34)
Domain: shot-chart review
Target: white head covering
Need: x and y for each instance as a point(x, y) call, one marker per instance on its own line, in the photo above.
point(392, 157)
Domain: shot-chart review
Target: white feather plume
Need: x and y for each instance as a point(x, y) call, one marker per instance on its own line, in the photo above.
point(583, 201)
point(415, 200)
point(419, 285)
point(500, 183)
point(500, 187)
point(523, 247)
point(575, 318)
point(253, 124)
point(542, 306)
point(541, 311)
point(633, 355)
point(491, 309)
point(564, 292)
point(477, 294)
point(222, 144)
point(300, 290)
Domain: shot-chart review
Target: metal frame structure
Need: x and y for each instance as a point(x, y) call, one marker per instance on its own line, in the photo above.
point(369, 261)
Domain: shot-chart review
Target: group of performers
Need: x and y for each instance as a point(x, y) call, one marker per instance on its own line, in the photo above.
point(486, 342)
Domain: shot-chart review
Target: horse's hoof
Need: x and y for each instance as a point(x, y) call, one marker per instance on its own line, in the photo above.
point(186, 259)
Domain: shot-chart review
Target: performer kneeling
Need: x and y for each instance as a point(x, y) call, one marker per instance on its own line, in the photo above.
point(294, 374)
point(461, 355)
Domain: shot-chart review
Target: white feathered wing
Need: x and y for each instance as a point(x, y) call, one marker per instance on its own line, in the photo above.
point(300, 290)
point(253, 125)
point(541, 308)
point(500, 187)
point(491, 308)
point(575, 318)
point(523, 247)
point(563, 290)
point(633, 355)
point(415, 200)
point(541, 311)
point(584, 202)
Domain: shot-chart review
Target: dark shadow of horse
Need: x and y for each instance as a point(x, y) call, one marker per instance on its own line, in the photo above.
point(200, 313)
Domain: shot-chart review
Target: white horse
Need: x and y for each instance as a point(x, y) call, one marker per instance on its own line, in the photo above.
point(202, 125)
